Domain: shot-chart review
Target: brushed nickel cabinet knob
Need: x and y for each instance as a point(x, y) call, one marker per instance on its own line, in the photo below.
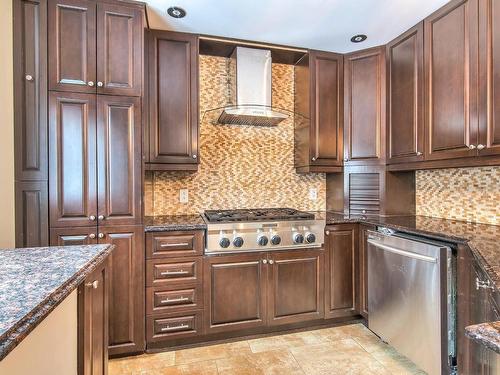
point(101, 217)
point(91, 217)
point(100, 84)
point(327, 232)
point(101, 235)
point(419, 153)
point(264, 261)
point(472, 147)
point(195, 156)
point(29, 77)
point(313, 158)
point(90, 83)
point(271, 261)
point(92, 235)
point(480, 146)
point(93, 285)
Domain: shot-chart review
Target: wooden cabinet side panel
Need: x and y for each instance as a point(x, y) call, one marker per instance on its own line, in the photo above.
point(32, 214)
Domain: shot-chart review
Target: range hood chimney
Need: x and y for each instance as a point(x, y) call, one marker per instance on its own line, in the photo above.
point(250, 89)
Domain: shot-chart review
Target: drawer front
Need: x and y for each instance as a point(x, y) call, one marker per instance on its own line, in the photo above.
point(159, 300)
point(185, 271)
point(173, 326)
point(174, 244)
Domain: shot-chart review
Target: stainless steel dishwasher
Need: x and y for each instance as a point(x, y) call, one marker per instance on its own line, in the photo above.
point(411, 298)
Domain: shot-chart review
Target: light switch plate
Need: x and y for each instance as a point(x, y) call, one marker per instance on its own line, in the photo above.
point(313, 194)
point(183, 195)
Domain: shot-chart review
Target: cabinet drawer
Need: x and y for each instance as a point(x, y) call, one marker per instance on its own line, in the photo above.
point(170, 272)
point(174, 244)
point(161, 300)
point(173, 326)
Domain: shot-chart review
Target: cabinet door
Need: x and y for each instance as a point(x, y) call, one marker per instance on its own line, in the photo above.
point(173, 98)
point(362, 300)
point(341, 257)
point(93, 323)
point(489, 79)
point(32, 214)
point(72, 160)
point(405, 95)
point(451, 81)
point(119, 160)
point(235, 292)
point(73, 236)
point(326, 116)
point(119, 49)
point(72, 45)
point(126, 288)
point(364, 107)
point(296, 286)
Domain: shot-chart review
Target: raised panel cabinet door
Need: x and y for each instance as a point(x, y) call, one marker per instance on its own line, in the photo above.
point(126, 288)
point(72, 45)
point(30, 89)
point(93, 308)
point(119, 160)
point(489, 79)
point(235, 292)
point(73, 236)
point(450, 55)
point(405, 97)
point(364, 107)
point(341, 257)
point(173, 98)
point(327, 120)
point(32, 214)
point(72, 160)
point(119, 49)
point(296, 286)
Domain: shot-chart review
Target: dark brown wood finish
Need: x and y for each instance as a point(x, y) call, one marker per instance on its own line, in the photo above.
point(165, 327)
point(341, 246)
point(119, 49)
point(362, 289)
point(72, 160)
point(405, 97)
point(119, 160)
point(126, 283)
point(73, 236)
point(173, 98)
point(173, 299)
point(181, 272)
point(364, 107)
point(451, 81)
point(175, 244)
point(296, 286)
point(235, 289)
point(93, 311)
point(72, 45)
point(32, 213)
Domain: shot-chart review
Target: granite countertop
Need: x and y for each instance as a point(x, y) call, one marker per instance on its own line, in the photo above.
point(487, 334)
point(33, 281)
point(173, 223)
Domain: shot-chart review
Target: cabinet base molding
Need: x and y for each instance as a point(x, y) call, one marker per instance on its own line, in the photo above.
point(171, 167)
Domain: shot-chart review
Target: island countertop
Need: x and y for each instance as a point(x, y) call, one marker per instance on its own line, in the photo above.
point(33, 281)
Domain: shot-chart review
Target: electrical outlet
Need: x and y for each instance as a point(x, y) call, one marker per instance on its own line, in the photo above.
point(313, 194)
point(183, 195)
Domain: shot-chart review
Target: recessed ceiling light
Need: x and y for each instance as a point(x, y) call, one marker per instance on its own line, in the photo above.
point(358, 38)
point(176, 12)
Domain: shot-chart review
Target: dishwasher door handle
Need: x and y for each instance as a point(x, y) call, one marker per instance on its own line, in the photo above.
point(408, 254)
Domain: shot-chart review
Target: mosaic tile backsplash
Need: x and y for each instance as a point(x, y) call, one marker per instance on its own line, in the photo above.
point(469, 194)
point(240, 166)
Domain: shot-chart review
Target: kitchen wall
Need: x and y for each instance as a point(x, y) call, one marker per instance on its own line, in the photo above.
point(241, 166)
point(470, 194)
point(6, 126)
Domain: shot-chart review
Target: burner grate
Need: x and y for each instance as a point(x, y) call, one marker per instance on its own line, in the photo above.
point(260, 214)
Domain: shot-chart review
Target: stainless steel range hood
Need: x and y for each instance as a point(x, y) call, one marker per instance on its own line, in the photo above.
point(250, 85)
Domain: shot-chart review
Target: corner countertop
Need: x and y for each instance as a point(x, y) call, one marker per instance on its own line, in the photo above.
point(173, 223)
point(487, 334)
point(33, 281)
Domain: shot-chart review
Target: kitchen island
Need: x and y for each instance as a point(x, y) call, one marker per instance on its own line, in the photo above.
point(42, 314)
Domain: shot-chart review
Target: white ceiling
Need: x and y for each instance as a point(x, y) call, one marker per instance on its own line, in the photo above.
point(317, 24)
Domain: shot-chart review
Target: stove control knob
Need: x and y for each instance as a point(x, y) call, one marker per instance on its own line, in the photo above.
point(224, 242)
point(275, 239)
point(298, 238)
point(262, 240)
point(310, 237)
point(238, 242)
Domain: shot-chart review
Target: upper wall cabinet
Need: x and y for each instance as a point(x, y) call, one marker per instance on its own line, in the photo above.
point(95, 47)
point(318, 106)
point(173, 101)
point(364, 107)
point(405, 97)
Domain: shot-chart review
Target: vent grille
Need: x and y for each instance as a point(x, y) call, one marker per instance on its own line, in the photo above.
point(364, 194)
point(246, 119)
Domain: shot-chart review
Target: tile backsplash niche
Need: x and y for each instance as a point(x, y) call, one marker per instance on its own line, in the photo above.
point(240, 166)
point(468, 194)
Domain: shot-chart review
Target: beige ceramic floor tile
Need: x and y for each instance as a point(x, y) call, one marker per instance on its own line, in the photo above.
point(211, 352)
point(371, 343)
point(275, 362)
point(285, 341)
point(199, 368)
point(395, 362)
point(345, 332)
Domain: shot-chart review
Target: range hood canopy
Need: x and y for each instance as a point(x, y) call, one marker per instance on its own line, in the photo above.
point(250, 94)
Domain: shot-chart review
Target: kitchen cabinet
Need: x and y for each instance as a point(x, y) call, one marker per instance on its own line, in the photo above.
point(318, 103)
point(32, 213)
point(73, 236)
point(341, 247)
point(296, 286)
point(364, 107)
point(405, 97)
point(93, 308)
point(362, 290)
point(173, 101)
point(95, 47)
point(451, 66)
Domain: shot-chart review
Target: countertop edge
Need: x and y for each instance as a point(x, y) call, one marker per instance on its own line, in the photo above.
point(19, 331)
point(485, 334)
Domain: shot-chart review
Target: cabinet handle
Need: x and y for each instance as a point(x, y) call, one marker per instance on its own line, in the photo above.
point(100, 235)
point(168, 328)
point(29, 77)
point(91, 235)
point(174, 244)
point(90, 83)
point(480, 146)
point(313, 158)
point(100, 84)
point(472, 147)
point(172, 273)
point(419, 153)
point(101, 217)
point(264, 261)
point(174, 300)
point(327, 232)
point(195, 156)
point(93, 284)
point(91, 217)
point(346, 160)
point(271, 261)
point(483, 284)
